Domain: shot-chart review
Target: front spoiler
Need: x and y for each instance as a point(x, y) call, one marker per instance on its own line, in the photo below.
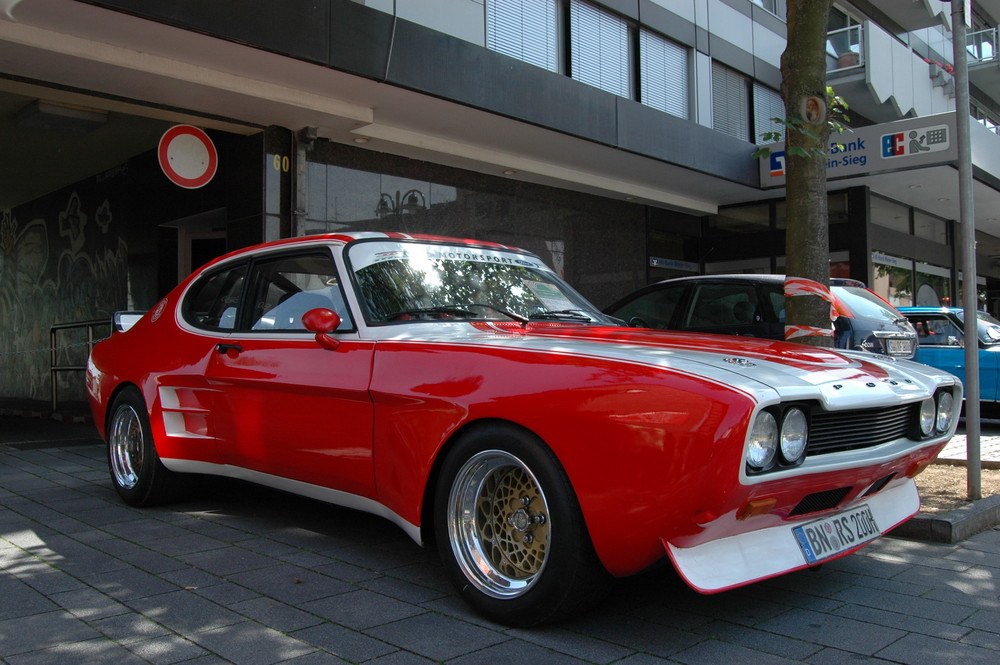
point(731, 562)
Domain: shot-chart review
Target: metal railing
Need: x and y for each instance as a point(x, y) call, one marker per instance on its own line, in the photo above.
point(844, 49)
point(54, 348)
point(982, 45)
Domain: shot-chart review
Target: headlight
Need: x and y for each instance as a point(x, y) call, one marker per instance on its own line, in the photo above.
point(794, 433)
point(945, 410)
point(763, 441)
point(927, 416)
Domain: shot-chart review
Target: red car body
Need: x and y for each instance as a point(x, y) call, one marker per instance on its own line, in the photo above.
point(649, 429)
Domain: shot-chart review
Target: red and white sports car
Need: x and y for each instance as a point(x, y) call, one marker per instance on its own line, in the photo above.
point(465, 392)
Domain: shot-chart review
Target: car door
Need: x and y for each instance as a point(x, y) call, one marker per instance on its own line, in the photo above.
point(941, 344)
point(653, 308)
point(293, 408)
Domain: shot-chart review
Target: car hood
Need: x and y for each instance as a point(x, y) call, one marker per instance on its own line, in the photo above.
point(766, 369)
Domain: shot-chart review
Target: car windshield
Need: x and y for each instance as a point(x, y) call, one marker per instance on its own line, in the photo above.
point(865, 303)
point(407, 281)
point(989, 327)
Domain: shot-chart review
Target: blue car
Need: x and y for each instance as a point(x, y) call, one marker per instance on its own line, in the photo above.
point(941, 337)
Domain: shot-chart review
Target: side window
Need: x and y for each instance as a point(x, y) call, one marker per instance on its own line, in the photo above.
point(937, 331)
point(652, 310)
point(283, 289)
point(211, 303)
point(777, 298)
point(722, 306)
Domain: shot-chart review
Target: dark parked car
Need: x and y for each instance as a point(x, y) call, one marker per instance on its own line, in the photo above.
point(754, 306)
point(941, 331)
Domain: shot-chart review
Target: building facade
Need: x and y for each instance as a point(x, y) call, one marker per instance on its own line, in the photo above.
point(614, 138)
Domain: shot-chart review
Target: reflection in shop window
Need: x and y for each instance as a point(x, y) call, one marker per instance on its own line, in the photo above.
point(929, 227)
point(893, 278)
point(890, 214)
point(933, 286)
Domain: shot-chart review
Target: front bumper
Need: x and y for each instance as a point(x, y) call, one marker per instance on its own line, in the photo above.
point(748, 557)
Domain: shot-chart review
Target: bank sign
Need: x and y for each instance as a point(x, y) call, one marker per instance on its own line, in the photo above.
point(911, 143)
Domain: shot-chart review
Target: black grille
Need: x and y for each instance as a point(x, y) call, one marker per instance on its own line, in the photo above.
point(837, 431)
point(819, 501)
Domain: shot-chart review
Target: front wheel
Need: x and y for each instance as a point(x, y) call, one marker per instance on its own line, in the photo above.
point(510, 532)
point(136, 471)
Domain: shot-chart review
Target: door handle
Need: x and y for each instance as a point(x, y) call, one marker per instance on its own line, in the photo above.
point(225, 348)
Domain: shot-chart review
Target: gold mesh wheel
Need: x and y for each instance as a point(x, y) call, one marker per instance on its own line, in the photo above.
point(498, 523)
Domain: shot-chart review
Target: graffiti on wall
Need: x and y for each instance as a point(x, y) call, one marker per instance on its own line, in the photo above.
point(68, 265)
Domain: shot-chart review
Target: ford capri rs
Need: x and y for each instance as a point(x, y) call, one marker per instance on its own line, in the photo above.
point(465, 392)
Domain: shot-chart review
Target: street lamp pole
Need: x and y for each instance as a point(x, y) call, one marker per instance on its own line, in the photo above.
point(959, 13)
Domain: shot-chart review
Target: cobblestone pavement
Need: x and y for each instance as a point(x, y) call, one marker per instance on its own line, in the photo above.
point(244, 575)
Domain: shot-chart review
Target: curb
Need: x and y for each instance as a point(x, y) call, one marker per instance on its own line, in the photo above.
point(954, 526)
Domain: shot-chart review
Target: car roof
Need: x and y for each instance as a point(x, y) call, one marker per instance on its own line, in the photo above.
point(769, 278)
point(344, 238)
point(930, 310)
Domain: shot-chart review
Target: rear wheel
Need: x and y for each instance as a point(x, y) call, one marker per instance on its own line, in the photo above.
point(510, 531)
point(136, 471)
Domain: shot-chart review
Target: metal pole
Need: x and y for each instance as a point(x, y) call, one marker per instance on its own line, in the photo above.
point(969, 287)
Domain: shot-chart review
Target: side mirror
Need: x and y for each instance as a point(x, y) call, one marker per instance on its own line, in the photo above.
point(956, 341)
point(322, 321)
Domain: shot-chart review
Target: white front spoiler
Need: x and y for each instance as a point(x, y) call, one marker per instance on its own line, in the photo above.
point(749, 557)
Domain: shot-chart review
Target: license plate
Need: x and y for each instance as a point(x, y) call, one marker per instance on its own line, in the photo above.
point(900, 347)
point(835, 534)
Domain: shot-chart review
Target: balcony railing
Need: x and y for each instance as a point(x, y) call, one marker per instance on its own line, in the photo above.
point(844, 50)
point(982, 45)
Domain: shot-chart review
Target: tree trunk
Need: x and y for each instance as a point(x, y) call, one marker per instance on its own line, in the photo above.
point(803, 88)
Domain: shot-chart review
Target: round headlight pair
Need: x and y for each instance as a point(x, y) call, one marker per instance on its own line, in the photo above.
point(766, 440)
point(937, 415)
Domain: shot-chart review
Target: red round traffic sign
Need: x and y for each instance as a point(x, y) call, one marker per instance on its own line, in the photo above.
point(187, 156)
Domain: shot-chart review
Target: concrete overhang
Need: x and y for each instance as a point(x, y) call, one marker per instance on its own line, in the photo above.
point(158, 70)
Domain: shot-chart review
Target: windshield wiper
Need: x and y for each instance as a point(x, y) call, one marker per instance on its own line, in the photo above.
point(501, 310)
point(459, 309)
point(562, 315)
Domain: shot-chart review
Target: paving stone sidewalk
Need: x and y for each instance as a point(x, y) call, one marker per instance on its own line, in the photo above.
point(238, 574)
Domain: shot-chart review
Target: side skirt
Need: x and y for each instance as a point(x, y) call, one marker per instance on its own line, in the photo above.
point(317, 492)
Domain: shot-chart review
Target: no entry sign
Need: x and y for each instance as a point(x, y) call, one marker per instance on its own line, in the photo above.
point(187, 156)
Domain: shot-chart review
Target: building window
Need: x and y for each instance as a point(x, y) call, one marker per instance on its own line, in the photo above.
point(663, 74)
point(930, 228)
point(524, 29)
point(890, 214)
point(599, 49)
point(730, 102)
point(767, 104)
point(769, 5)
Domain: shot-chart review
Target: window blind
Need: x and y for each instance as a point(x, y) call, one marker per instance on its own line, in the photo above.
point(524, 29)
point(767, 104)
point(730, 102)
point(664, 74)
point(599, 49)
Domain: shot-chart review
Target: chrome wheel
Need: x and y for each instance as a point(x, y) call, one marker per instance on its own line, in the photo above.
point(126, 447)
point(498, 524)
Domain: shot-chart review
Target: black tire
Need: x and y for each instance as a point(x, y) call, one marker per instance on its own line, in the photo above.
point(510, 532)
point(136, 471)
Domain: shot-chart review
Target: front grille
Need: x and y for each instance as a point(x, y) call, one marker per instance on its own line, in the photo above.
point(818, 501)
point(837, 431)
